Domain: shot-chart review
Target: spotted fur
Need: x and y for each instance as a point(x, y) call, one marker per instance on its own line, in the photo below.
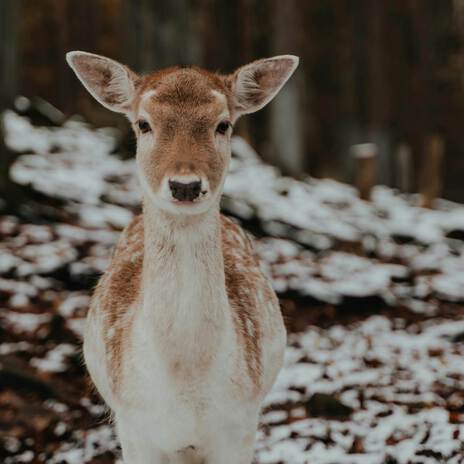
point(120, 288)
point(116, 296)
point(184, 336)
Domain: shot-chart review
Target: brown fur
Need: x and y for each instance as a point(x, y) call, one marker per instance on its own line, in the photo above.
point(243, 278)
point(181, 109)
point(118, 293)
point(185, 113)
point(177, 85)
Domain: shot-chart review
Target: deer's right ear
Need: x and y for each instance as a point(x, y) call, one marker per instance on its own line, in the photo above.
point(109, 82)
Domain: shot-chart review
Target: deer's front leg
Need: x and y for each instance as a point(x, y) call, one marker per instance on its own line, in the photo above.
point(135, 449)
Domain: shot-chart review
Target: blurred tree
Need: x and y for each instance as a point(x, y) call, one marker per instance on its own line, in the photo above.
point(383, 71)
point(287, 111)
point(64, 25)
point(8, 78)
point(159, 34)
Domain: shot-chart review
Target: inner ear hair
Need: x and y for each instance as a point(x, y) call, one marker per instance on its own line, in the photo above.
point(109, 82)
point(256, 84)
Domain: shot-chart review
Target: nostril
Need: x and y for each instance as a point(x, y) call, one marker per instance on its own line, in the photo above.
point(196, 189)
point(185, 192)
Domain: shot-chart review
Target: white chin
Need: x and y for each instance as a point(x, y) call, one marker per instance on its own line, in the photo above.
point(185, 207)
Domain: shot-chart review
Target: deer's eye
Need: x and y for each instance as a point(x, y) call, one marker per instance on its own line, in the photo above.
point(143, 126)
point(222, 127)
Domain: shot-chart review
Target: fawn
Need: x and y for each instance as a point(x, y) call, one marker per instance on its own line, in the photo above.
point(184, 335)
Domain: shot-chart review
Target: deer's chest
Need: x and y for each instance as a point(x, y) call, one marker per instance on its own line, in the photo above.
point(174, 375)
point(178, 339)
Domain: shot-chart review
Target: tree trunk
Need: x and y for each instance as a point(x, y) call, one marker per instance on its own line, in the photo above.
point(8, 24)
point(160, 34)
point(287, 135)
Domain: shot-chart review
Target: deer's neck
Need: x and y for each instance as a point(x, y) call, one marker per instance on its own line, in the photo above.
point(183, 278)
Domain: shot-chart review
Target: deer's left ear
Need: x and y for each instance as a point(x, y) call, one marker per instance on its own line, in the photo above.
point(256, 84)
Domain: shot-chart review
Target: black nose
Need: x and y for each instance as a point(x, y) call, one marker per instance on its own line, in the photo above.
point(185, 192)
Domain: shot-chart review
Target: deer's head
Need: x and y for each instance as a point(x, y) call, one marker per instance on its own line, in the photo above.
point(183, 119)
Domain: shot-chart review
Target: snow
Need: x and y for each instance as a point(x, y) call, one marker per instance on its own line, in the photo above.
point(75, 163)
point(322, 243)
point(55, 360)
point(73, 303)
point(27, 456)
point(334, 360)
point(369, 365)
point(95, 442)
point(24, 322)
point(7, 348)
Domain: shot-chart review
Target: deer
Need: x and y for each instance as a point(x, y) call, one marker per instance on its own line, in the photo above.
point(184, 334)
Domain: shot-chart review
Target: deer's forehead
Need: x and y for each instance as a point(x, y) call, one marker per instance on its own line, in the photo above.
point(189, 113)
point(184, 92)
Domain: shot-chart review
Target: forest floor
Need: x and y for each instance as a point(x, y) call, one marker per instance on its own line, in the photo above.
point(372, 293)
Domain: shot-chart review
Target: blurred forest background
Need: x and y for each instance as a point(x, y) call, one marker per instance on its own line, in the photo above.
point(372, 291)
point(389, 72)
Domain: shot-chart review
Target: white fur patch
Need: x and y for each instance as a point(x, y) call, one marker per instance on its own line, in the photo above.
point(220, 96)
point(111, 333)
point(186, 179)
point(148, 95)
point(250, 328)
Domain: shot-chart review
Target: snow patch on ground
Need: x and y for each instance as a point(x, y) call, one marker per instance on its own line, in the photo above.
point(403, 382)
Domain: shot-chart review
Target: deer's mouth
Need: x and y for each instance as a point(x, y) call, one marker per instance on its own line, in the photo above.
point(189, 202)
